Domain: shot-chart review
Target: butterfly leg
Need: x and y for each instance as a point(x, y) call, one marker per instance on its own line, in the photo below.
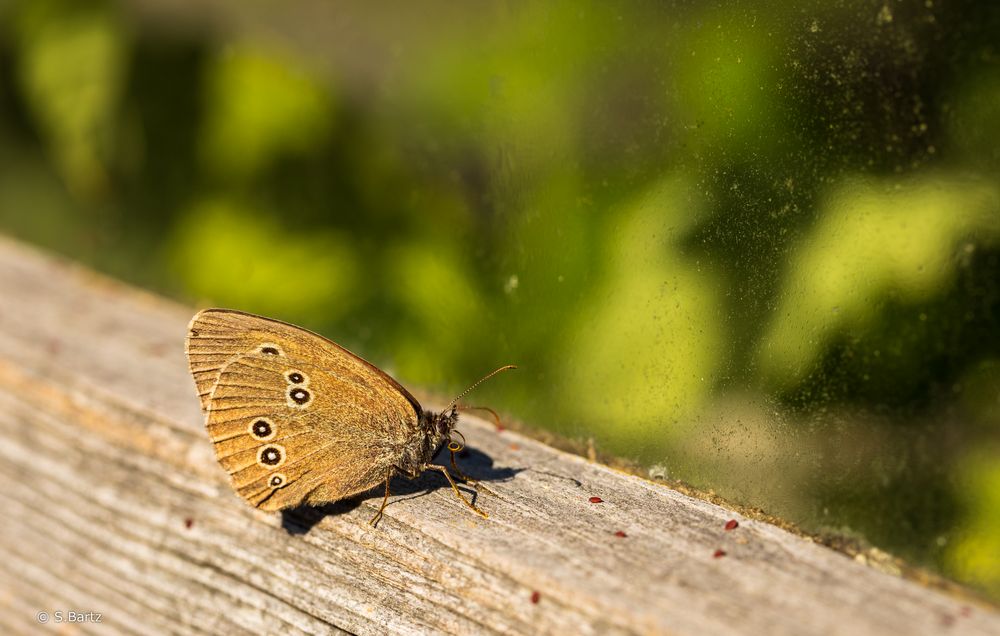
point(385, 500)
point(454, 466)
point(444, 471)
point(454, 447)
point(469, 480)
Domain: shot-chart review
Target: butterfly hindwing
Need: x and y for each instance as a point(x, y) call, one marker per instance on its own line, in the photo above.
point(289, 432)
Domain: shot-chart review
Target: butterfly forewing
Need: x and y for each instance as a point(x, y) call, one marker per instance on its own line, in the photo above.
point(291, 432)
point(216, 336)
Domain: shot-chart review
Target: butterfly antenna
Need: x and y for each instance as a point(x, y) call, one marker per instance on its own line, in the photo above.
point(484, 379)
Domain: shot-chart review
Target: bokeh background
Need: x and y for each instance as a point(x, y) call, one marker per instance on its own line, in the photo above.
point(753, 247)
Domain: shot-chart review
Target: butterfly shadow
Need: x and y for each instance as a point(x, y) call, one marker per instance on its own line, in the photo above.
point(474, 463)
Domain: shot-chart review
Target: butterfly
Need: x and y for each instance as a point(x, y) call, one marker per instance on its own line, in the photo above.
point(298, 420)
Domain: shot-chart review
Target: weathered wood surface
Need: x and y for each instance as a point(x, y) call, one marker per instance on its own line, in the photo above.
point(115, 504)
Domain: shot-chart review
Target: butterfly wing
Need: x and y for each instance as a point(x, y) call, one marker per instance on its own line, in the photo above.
point(295, 419)
point(289, 432)
point(216, 336)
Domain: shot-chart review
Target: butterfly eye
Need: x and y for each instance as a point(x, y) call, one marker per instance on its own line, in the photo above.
point(271, 456)
point(261, 428)
point(270, 349)
point(277, 480)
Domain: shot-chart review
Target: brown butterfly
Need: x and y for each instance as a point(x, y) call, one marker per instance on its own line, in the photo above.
point(298, 420)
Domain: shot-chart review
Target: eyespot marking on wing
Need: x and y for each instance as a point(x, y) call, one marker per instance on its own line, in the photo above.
point(270, 349)
point(294, 376)
point(271, 456)
point(298, 398)
point(262, 429)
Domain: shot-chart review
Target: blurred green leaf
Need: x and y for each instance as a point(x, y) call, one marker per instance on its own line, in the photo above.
point(73, 57)
point(260, 105)
point(975, 553)
point(874, 240)
point(232, 255)
point(641, 359)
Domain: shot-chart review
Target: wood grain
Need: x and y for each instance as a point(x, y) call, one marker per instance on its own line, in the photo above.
point(115, 504)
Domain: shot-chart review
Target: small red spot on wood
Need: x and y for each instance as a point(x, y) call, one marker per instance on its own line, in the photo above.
point(620, 534)
point(947, 620)
point(515, 447)
point(732, 524)
point(501, 428)
point(596, 500)
point(535, 597)
point(54, 347)
point(188, 523)
point(719, 554)
point(966, 611)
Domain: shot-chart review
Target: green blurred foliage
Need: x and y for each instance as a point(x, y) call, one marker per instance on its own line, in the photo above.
point(975, 552)
point(70, 68)
point(654, 309)
point(756, 248)
point(724, 84)
point(873, 242)
point(298, 273)
point(260, 106)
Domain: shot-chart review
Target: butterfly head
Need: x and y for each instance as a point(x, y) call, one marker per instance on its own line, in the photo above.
point(437, 429)
point(438, 426)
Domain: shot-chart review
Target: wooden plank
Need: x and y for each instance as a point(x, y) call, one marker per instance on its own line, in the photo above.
point(115, 504)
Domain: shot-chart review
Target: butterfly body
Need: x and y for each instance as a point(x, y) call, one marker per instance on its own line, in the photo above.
point(296, 419)
point(436, 430)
